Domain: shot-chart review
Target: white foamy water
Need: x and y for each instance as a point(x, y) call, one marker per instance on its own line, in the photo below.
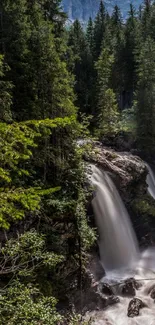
point(117, 314)
point(150, 180)
point(117, 241)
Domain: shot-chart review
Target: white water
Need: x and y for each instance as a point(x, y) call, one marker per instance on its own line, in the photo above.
point(150, 181)
point(117, 242)
point(117, 314)
point(120, 255)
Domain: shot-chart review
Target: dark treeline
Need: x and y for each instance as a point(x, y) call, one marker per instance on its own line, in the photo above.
point(57, 85)
point(114, 71)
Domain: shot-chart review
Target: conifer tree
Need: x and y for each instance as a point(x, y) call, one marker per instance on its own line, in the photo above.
point(145, 20)
point(82, 65)
point(42, 84)
point(118, 46)
point(5, 93)
point(15, 33)
point(99, 30)
point(145, 97)
point(89, 34)
point(131, 43)
point(107, 114)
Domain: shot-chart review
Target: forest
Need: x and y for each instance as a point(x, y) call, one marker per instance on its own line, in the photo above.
point(61, 84)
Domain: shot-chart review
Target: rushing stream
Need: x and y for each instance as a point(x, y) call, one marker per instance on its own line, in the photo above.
point(120, 255)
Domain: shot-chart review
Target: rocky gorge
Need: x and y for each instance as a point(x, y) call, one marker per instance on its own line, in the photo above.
point(106, 293)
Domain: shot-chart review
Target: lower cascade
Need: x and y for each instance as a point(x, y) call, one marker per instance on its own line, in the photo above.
point(122, 260)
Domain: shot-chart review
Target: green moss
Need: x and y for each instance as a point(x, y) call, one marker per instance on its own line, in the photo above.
point(144, 206)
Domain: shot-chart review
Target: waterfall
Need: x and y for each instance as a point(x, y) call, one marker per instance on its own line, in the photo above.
point(120, 255)
point(150, 180)
point(117, 241)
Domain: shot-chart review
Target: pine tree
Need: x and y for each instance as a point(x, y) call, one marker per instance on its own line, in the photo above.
point(89, 34)
point(107, 114)
point(82, 65)
point(118, 47)
point(131, 43)
point(15, 33)
point(145, 96)
point(5, 93)
point(99, 30)
point(42, 84)
point(145, 20)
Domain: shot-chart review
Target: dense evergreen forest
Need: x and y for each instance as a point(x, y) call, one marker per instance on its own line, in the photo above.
point(59, 85)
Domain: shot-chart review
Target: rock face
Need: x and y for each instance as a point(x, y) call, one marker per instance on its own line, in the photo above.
point(134, 307)
point(126, 167)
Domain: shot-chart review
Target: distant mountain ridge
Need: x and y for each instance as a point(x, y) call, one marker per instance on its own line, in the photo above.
point(83, 9)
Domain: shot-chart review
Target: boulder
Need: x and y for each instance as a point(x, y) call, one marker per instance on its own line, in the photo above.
point(152, 294)
point(106, 302)
point(129, 287)
point(106, 289)
point(112, 300)
point(125, 166)
point(134, 307)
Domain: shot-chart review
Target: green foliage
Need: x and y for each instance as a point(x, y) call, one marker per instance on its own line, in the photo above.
point(17, 141)
point(128, 121)
point(145, 95)
point(82, 67)
point(86, 234)
point(107, 105)
point(5, 93)
point(25, 305)
point(77, 320)
point(25, 255)
point(16, 203)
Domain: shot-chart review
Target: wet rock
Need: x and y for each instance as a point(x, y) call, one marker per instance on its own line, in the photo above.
point(112, 300)
point(126, 167)
point(151, 291)
point(153, 294)
point(129, 288)
point(105, 289)
point(134, 307)
point(105, 302)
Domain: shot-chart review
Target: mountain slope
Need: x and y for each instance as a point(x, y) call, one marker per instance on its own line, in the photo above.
point(83, 9)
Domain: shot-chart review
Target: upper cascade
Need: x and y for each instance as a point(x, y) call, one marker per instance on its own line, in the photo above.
point(117, 241)
point(83, 9)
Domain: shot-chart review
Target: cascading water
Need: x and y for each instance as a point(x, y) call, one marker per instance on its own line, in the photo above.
point(150, 181)
point(117, 242)
point(120, 255)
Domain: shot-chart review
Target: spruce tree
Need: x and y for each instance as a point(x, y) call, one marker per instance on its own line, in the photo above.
point(145, 20)
point(5, 93)
point(145, 96)
point(82, 66)
point(118, 47)
point(107, 108)
point(131, 35)
point(89, 34)
point(99, 30)
point(42, 84)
